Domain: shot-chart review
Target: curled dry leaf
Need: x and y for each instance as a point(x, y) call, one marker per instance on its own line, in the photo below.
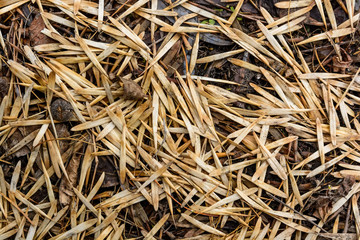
point(343, 64)
point(105, 166)
point(4, 87)
point(61, 110)
point(132, 91)
point(323, 206)
point(15, 138)
point(66, 186)
point(36, 36)
point(345, 186)
point(62, 132)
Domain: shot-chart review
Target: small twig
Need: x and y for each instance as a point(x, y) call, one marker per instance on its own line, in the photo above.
point(305, 218)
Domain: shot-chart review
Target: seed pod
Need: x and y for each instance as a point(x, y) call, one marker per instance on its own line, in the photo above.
point(61, 110)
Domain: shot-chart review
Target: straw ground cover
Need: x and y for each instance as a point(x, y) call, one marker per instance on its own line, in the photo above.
point(179, 120)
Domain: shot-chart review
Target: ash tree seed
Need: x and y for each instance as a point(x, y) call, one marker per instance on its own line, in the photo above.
point(61, 110)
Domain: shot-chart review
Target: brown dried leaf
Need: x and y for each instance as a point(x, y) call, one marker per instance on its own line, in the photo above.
point(343, 64)
point(132, 91)
point(15, 138)
point(18, 136)
point(36, 36)
point(62, 132)
point(345, 186)
point(66, 186)
point(4, 87)
point(323, 207)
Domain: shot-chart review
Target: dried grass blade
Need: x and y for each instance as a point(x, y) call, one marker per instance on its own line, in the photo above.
point(194, 53)
point(109, 50)
point(130, 33)
point(235, 12)
point(269, 19)
point(8, 234)
point(254, 43)
point(202, 226)
point(295, 187)
point(330, 13)
point(26, 140)
point(78, 229)
point(266, 187)
point(331, 34)
point(157, 227)
point(318, 75)
point(291, 16)
point(293, 4)
point(233, 167)
point(91, 55)
point(321, 10)
point(12, 6)
point(154, 176)
point(106, 222)
point(350, 5)
point(320, 140)
point(244, 133)
point(337, 205)
point(3, 203)
point(91, 124)
point(328, 164)
point(31, 160)
point(244, 64)
point(123, 155)
point(32, 229)
point(219, 56)
point(229, 32)
point(100, 14)
point(77, 4)
point(30, 205)
point(54, 151)
point(274, 164)
point(204, 13)
point(131, 9)
point(4, 103)
point(92, 193)
point(332, 119)
point(277, 46)
point(164, 50)
point(53, 221)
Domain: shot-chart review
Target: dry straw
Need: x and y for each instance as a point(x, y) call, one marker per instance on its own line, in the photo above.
point(179, 145)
